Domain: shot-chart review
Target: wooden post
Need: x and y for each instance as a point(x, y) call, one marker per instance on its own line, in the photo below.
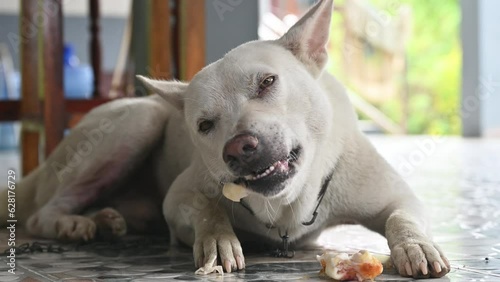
point(160, 38)
point(191, 32)
point(95, 46)
point(139, 43)
point(31, 112)
point(52, 76)
point(176, 53)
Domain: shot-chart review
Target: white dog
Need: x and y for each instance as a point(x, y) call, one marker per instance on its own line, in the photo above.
point(266, 116)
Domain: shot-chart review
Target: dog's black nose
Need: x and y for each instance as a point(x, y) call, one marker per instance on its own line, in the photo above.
point(240, 148)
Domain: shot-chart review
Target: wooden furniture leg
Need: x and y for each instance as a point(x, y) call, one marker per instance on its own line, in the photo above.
point(95, 46)
point(161, 40)
point(31, 111)
point(191, 32)
point(53, 88)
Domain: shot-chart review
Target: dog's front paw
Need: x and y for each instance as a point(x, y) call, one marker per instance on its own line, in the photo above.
point(419, 260)
point(223, 247)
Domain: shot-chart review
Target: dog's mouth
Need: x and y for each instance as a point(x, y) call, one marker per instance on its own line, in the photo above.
point(281, 166)
point(264, 179)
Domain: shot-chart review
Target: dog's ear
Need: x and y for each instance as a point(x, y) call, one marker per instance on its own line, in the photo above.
point(171, 91)
point(308, 38)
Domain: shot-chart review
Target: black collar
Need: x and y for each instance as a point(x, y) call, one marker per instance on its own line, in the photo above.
point(321, 195)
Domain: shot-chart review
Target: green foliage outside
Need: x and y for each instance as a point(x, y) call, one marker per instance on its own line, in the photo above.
point(434, 64)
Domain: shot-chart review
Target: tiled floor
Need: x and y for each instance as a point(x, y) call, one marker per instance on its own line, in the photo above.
point(458, 179)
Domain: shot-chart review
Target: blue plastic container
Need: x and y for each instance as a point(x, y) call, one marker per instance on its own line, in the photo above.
point(78, 78)
point(78, 84)
point(8, 136)
point(8, 140)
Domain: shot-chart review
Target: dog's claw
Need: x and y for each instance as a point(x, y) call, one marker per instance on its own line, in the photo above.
point(227, 265)
point(240, 263)
point(437, 267)
point(423, 268)
point(408, 269)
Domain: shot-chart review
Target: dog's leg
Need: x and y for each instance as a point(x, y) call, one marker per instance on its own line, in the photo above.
point(377, 197)
point(58, 218)
point(200, 221)
point(389, 207)
point(108, 145)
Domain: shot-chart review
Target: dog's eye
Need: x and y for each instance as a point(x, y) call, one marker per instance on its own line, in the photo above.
point(205, 126)
point(268, 81)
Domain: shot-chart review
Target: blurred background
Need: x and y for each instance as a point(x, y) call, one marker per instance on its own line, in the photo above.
point(395, 56)
point(416, 67)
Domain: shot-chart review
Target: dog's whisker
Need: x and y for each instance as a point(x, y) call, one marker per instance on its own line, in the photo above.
point(291, 208)
point(271, 206)
point(232, 211)
point(271, 219)
point(268, 231)
point(218, 200)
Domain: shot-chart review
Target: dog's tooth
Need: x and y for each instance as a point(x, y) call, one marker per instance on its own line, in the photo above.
point(285, 165)
point(278, 166)
point(271, 168)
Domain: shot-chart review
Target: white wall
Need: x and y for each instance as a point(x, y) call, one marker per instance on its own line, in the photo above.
point(229, 23)
point(489, 23)
point(481, 68)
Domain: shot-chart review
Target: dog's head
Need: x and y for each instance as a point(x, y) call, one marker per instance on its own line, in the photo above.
point(258, 115)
